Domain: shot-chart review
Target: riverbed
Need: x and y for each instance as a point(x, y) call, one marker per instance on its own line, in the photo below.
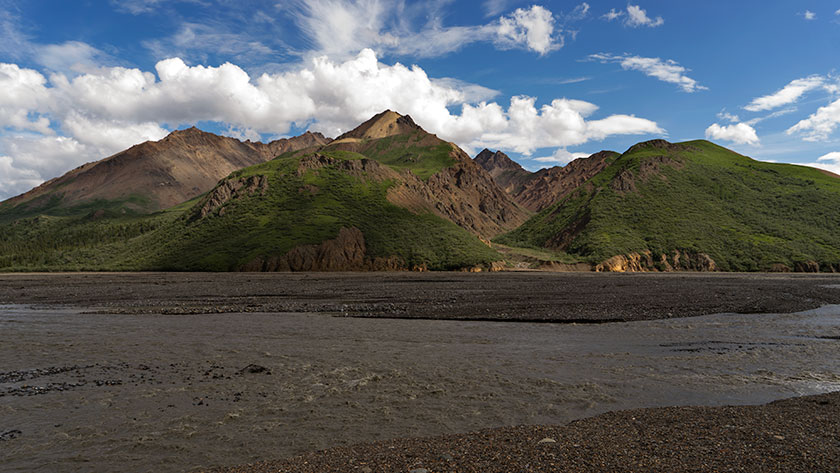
point(125, 392)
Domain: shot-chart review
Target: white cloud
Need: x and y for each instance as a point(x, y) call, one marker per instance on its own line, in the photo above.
point(776, 114)
point(613, 14)
point(809, 15)
point(338, 28)
point(16, 180)
point(532, 28)
point(790, 93)
point(636, 17)
point(829, 162)
point(831, 157)
point(579, 12)
point(471, 93)
point(197, 40)
point(820, 124)
point(523, 128)
point(137, 7)
point(724, 115)
point(561, 157)
point(664, 70)
point(23, 99)
point(739, 133)
point(105, 111)
point(494, 7)
point(837, 12)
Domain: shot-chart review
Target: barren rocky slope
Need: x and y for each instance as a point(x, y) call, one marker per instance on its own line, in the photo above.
point(538, 190)
point(156, 174)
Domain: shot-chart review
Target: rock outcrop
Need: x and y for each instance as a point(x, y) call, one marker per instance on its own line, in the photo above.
point(345, 252)
point(230, 189)
point(647, 261)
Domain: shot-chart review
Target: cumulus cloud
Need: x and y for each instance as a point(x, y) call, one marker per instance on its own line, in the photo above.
point(23, 97)
point(809, 15)
point(820, 124)
point(634, 17)
point(790, 93)
point(561, 157)
point(16, 180)
point(664, 70)
point(102, 112)
point(739, 133)
point(532, 28)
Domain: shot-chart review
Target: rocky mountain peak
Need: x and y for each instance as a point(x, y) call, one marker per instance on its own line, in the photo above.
point(381, 125)
point(496, 161)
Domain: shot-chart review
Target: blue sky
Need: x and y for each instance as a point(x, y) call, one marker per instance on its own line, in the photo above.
point(544, 82)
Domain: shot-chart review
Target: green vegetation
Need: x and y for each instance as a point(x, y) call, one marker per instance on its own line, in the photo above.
point(419, 152)
point(51, 205)
point(51, 243)
point(295, 209)
point(747, 215)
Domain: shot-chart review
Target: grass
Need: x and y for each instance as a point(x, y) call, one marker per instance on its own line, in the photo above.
point(51, 205)
point(416, 152)
point(747, 215)
point(288, 215)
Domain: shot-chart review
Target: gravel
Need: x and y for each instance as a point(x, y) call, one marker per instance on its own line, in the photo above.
point(507, 296)
point(794, 435)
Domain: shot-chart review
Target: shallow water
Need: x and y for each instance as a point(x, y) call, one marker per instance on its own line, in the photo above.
point(82, 392)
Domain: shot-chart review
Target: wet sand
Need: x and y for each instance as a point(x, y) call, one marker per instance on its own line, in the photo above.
point(530, 296)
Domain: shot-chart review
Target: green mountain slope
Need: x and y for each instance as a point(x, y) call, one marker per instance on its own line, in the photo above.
point(419, 203)
point(306, 201)
point(693, 200)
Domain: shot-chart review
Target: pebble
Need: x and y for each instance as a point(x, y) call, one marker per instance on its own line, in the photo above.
point(547, 440)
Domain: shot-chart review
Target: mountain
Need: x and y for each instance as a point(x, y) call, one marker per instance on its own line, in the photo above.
point(153, 175)
point(443, 179)
point(697, 206)
point(386, 195)
point(538, 190)
point(507, 173)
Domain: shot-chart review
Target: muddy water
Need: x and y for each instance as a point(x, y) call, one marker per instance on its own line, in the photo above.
point(81, 392)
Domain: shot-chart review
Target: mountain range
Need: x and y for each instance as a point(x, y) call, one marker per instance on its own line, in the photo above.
point(387, 195)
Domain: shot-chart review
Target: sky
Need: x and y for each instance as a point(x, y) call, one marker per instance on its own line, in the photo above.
point(545, 82)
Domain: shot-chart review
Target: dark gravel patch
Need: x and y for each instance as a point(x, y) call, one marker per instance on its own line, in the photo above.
point(794, 435)
point(533, 296)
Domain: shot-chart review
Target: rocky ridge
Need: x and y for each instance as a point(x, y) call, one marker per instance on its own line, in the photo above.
point(538, 190)
point(156, 175)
